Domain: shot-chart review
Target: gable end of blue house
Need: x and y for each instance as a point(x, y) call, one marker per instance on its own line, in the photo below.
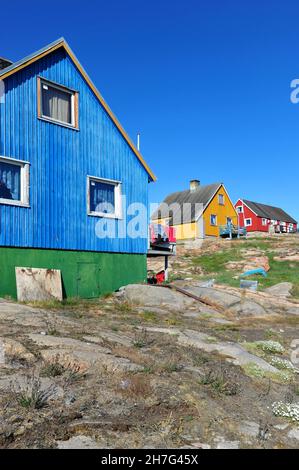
point(61, 162)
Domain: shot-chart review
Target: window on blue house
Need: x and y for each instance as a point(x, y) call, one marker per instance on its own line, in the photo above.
point(14, 176)
point(58, 103)
point(104, 197)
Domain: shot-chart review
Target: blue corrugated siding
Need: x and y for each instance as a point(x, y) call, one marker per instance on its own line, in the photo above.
point(61, 159)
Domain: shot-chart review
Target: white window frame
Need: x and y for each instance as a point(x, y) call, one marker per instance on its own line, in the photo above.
point(24, 182)
point(246, 220)
point(240, 211)
point(74, 107)
point(117, 198)
point(211, 223)
point(223, 199)
point(264, 222)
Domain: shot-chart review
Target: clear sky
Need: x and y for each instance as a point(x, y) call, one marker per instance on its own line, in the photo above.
point(206, 82)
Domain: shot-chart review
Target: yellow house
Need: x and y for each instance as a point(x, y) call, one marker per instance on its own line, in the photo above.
point(197, 212)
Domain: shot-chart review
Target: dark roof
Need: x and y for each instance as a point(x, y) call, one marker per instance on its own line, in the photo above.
point(269, 212)
point(202, 195)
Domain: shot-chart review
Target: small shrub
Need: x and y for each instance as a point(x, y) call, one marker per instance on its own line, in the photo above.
point(171, 367)
point(140, 339)
point(30, 395)
point(53, 369)
point(149, 316)
point(73, 374)
point(220, 382)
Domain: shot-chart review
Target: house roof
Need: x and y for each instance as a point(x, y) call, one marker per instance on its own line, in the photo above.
point(202, 195)
point(26, 61)
point(269, 212)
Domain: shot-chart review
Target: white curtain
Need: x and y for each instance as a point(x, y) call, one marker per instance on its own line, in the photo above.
point(57, 104)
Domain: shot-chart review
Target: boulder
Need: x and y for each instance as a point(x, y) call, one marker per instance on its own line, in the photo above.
point(217, 297)
point(13, 350)
point(248, 308)
point(283, 289)
point(155, 296)
point(294, 433)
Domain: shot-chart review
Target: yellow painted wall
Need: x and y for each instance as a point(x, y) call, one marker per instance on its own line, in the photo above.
point(222, 212)
point(186, 231)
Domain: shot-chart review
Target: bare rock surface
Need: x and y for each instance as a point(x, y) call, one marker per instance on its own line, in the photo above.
point(70, 351)
point(247, 308)
point(283, 289)
point(11, 349)
point(79, 442)
point(215, 296)
point(234, 352)
point(155, 296)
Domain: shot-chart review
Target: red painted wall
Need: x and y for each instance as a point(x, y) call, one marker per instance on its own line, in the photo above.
point(256, 222)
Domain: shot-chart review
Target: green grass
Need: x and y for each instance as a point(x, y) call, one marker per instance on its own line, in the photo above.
point(254, 371)
point(280, 271)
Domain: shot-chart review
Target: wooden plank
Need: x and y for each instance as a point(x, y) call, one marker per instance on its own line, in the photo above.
point(35, 284)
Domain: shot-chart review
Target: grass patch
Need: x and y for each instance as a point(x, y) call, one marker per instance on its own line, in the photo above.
point(30, 395)
point(220, 382)
point(254, 371)
point(280, 271)
point(149, 316)
point(140, 339)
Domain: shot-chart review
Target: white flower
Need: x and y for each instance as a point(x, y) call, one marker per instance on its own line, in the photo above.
point(286, 410)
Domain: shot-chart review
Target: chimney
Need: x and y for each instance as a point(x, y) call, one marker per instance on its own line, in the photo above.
point(194, 185)
point(4, 63)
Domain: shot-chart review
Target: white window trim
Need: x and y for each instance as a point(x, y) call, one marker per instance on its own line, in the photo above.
point(65, 89)
point(264, 222)
point(241, 211)
point(215, 224)
point(24, 181)
point(223, 198)
point(117, 198)
point(245, 222)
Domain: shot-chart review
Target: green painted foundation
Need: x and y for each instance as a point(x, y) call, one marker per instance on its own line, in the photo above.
point(84, 274)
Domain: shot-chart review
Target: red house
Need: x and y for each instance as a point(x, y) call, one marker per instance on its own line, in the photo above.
point(262, 218)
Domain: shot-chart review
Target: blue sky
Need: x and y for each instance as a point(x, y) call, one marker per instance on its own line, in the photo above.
point(207, 83)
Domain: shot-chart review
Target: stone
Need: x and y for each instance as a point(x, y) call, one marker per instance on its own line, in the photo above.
point(20, 382)
point(294, 433)
point(228, 444)
point(11, 349)
point(248, 308)
point(215, 296)
point(74, 353)
point(293, 311)
point(111, 338)
point(281, 427)
point(158, 311)
point(249, 428)
point(283, 289)
point(78, 442)
point(155, 296)
point(66, 343)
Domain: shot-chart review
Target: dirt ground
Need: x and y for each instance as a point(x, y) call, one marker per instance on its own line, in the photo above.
point(115, 372)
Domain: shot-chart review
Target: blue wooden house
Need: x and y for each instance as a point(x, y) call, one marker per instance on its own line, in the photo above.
point(69, 175)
